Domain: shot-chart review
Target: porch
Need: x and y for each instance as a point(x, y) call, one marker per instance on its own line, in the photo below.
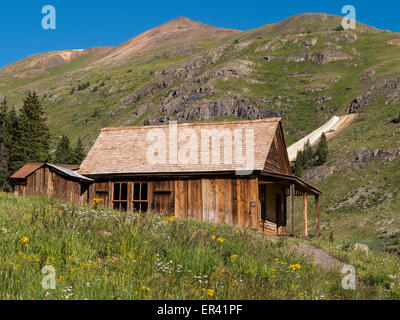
point(277, 194)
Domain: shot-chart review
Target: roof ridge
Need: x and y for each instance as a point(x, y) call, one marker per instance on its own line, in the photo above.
point(194, 124)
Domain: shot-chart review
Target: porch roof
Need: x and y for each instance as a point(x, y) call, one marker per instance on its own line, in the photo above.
point(301, 187)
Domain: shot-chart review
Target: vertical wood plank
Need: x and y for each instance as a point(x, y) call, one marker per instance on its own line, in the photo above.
point(253, 195)
point(195, 200)
point(228, 202)
point(181, 198)
point(241, 199)
point(305, 215)
point(292, 210)
point(235, 202)
point(205, 186)
point(317, 216)
point(221, 197)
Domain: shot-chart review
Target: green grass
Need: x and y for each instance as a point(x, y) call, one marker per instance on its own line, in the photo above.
point(376, 269)
point(101, 254)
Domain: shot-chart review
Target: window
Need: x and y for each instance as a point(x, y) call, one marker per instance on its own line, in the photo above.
point(140, 197)
point(120, 196)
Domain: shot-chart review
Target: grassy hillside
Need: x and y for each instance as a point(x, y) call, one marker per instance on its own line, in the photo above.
point(361, 180)
point(102, 254)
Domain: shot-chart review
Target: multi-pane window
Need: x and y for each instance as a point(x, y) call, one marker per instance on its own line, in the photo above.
point(120, 196)
point(140, 197)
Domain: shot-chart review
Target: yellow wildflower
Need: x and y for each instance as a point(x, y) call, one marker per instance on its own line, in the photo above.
point(234, 256)
point(24, 240)
point(295, 266)
point(213, 237)
point(273, 276)
point(60, 212)
point(221, 239)
point(144, 288)
point(171, 219)
point(210, 292)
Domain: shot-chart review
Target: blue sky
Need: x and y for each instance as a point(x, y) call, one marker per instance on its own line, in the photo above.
point(86, 23)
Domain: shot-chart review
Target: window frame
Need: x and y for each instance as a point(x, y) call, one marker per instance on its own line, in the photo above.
point(120, 202)
point(140, 201)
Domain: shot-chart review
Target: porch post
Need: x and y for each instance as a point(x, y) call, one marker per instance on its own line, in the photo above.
point(317, 216)
point(305, 215)
point(292, 209)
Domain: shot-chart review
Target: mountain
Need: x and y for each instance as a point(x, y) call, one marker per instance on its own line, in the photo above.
point(38, 64)
point(304, 69)
point(173, 31)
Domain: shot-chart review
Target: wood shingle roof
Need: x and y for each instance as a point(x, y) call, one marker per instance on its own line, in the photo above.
point(182, 148)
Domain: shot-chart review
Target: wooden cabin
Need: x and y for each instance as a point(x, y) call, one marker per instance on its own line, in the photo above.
point(224, 172)
point(60, 180)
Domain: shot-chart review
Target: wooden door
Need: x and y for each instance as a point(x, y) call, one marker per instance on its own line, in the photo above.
point(263, 198)
point(163, 198)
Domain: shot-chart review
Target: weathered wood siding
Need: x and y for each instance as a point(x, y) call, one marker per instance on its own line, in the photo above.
point(232, 201)
point(20, 187)
point(45, 181)
point(277, 159)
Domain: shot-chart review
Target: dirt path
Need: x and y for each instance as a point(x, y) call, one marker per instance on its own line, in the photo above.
point(331, 129)
point(321, 257)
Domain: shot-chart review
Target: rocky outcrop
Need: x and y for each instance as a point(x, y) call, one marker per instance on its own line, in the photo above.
point(299, 57)
point(317, 88)
point(320, 100)
point(270, 46)
point(232, 69)
point(389, 87)
point(349, 37)
point(308, 43)
point(366, 75)
point(354, 160)
point(327, 56)
point(321, 58)
point(361, 192)
point(395, 42)
point(194, 107)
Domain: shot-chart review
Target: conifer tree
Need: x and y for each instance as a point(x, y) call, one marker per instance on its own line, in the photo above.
point(322, 151)
point(308, 155)
point(298, 166)
point(4, 147)
point(16, 156)
point(35, 134)
point(63, 153)
point(79, 152)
